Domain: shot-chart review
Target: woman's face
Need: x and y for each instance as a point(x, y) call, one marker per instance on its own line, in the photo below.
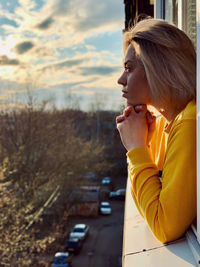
point(135, 86)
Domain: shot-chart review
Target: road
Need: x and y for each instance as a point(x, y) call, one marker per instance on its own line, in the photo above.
point(103, 247)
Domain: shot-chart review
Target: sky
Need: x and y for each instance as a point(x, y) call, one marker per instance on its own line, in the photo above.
point(67, 51)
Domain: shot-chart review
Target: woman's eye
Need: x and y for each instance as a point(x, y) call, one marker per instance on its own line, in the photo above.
point(127, 69)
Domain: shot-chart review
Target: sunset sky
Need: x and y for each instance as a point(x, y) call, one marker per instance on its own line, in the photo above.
point(60, 48)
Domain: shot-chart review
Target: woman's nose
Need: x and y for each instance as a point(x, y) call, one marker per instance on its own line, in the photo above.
point(122, 79)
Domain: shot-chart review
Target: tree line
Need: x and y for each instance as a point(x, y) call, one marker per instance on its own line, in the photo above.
point(41, 149)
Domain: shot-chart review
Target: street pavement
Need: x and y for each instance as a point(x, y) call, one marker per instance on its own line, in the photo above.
point(103, 246)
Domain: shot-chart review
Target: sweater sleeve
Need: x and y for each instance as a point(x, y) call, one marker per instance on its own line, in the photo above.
point(168, 207)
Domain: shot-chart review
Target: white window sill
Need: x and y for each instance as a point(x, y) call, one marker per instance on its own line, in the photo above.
point(141, 248)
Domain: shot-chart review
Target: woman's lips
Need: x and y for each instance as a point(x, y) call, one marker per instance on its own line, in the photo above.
point(124, 93)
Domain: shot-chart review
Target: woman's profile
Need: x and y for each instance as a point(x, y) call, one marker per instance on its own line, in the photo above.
point(160, 70)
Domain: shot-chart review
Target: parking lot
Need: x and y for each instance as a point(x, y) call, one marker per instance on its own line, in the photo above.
point(103, 246)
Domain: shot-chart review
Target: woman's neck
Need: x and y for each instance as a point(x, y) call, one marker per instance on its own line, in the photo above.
point(170, 114)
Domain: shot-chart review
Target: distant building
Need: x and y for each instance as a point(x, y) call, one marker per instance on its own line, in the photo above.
point(86, 202)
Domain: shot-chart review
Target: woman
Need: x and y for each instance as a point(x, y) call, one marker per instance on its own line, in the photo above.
point(160, 70)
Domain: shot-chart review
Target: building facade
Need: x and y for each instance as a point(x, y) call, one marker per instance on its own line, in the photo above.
point(140, 248)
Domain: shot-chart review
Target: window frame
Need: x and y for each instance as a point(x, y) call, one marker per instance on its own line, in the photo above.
point(181, 14)
point(182, 5)
point(198, 115)
point(159, 9)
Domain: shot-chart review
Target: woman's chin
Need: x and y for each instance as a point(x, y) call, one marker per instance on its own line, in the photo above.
point(134, 104)
point(128, 104)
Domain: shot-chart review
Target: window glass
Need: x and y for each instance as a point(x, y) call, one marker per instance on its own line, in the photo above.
point(191, 19)
point(78, 230)
point(175, 12)
point(167, 10)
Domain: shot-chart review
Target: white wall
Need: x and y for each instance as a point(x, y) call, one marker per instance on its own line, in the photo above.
point(198, 117)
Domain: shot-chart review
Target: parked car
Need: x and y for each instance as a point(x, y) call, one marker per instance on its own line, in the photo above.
point(74, 245)
point(118, 194)
point(62, 259)
point(105, 208)
point(80, 231)
point(106, 180)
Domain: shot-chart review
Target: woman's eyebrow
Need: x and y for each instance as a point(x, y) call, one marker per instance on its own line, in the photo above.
point(128, 61)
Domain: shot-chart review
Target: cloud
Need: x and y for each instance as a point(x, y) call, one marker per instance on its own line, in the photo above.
point(63, 64)
point(99, 70)
point(60, 7)
point(63, 44)
point(69, 85)
point(66, 23)
point(23, 47)
point(45, 24)
point(30, 4)
point(89, 14)
point(4, 60)
point(43, 52)
point(68, 63)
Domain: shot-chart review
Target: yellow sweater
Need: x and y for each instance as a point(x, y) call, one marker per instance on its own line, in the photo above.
point(168, 205)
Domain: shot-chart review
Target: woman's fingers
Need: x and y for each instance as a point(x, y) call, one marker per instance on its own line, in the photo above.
point(149, 117)
point(151, 120)
point(120, 118)
point(136, 126)
point(139, 108)
point(127, 111)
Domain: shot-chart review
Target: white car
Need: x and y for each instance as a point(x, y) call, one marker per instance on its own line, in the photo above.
point(106, 180)
point(105, 208)
point(80, 231)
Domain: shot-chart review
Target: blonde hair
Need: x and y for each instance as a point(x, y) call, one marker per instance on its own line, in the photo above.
point(169, 59)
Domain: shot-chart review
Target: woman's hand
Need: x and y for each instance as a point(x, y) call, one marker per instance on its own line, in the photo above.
point(151, 120)
point(136, 126)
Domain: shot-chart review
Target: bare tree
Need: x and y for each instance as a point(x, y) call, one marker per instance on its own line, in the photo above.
point(40, 149)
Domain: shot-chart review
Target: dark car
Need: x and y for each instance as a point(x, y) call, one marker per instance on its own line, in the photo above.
point(62, 259)
point(74, 245)
point(118, 194)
